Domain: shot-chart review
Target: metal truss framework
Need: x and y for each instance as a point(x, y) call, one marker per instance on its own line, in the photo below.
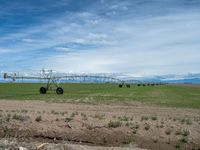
point(52, 81)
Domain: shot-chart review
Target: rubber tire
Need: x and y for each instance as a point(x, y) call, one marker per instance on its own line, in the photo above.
point(43, 90)
point(120, 85)
point(59, 91)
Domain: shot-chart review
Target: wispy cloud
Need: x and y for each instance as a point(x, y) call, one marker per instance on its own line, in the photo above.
point(117, 36)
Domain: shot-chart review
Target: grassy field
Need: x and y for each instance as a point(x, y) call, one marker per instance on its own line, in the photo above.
point(165, 95)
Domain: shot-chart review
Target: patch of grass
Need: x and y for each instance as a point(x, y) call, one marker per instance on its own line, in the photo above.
point(68, 119)
point(172, 95)
point(38, 118)
point(8, 117)
point(62, 113)
point(128, 140)
point(178, 132)
point(39, 112)
point(74, 114)
point(84, 116)
point(161, 126)
point(155, 140)
point(114, 116)
point(146, 127)
point(185, 132)
point(168, 131)
point(179, 146)
point(114, 124)
point(54, 112)
point(186, 121)
point(144, 118)
point(20, 117)
point(123, 118)
point(135, 126)
point(99, 116)
point(184, 140)
point(168, 141)
point(154, 118)
point(24, 111)
point(134, 131)
point(189, 122)
point(127, 124)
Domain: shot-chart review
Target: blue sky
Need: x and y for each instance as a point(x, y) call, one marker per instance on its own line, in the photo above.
point(142, 37)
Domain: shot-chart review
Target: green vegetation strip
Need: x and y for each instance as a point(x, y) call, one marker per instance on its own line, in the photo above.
point(164, 95)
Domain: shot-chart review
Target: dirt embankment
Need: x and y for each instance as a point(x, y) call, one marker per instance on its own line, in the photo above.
point(147, 127)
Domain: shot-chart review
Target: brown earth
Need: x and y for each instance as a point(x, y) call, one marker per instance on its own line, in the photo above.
point(148, 127)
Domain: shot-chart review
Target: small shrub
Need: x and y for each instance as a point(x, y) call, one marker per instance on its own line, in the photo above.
point(127, 124)
point(54, 112)
point(144, 118)
point(68, 119)
point(178, 132)
point(184, 140)
point(74, 114)
point(189, 122)
point(1, 121)
point(135, 126)
point(38, 118)
point(62, 113)
point(20, 117)
point(179, 146)
point(147, 127)
point(185, 132)
point(8, 117)
point(128, 140)
point(99, 116)
point(134, 131)
point(84, 117)
point(168, 131)
point(153, 118)
point(155, 140)
point(168, 141)
point(124, 118)
point(114, 124)
point(24, 111)
point(161, 126)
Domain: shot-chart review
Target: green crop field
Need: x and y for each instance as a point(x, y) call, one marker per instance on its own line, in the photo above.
point(165, 95)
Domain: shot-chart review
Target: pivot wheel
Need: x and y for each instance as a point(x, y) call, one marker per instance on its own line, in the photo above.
point(43, 90)
point(59, 90)
point(120, 85)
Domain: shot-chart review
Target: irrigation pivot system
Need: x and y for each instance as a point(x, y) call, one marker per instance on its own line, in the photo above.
point(52, 80)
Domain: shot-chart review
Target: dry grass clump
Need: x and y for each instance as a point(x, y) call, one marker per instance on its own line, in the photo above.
point(114, 124)
point(20, 117)
point(38, 118)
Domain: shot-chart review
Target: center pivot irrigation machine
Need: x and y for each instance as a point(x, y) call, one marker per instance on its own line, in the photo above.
point(53, 81)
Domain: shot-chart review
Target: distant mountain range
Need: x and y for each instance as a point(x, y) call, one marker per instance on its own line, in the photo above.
point(189, 78)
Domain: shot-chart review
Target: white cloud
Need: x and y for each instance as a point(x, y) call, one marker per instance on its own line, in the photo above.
point(62, 49)
point(141, 45)
point(27, 40)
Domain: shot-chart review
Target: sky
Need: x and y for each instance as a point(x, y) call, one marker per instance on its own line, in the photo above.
point(140, 37)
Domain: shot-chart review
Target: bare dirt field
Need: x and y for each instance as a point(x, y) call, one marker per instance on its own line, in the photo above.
point(86, 126)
